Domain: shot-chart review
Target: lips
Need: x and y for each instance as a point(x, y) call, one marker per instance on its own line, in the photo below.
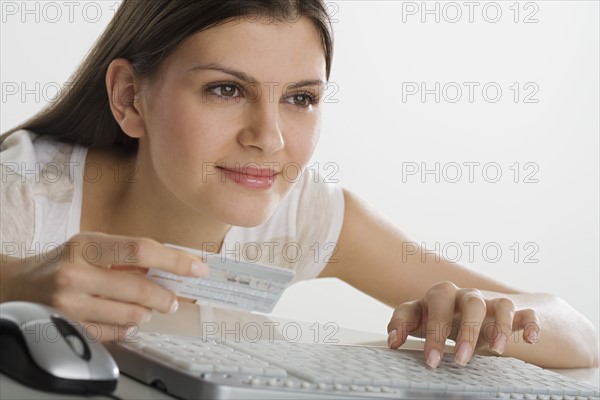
point(251, 177)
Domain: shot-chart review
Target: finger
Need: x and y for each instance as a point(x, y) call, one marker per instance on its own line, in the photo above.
point(99, 332)
point(440, 302)
point(103, 319)
point(105, 250)
point(405, 320)
point(112, 312)
point(126, 287)
point(503, 310)
point(527, 321)
point(473, 310)
point(130, 268)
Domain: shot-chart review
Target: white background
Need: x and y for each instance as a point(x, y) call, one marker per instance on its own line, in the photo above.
point(376, 130)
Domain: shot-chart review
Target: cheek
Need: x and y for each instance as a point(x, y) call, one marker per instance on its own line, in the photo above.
point(302, 136)
point(184, 134)
point(175, 121)
point(184, 140)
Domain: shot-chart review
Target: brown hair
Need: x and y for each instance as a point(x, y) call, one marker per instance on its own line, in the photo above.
point(145, 32)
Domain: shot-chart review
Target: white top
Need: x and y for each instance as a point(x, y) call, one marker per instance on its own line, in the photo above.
point(41, 197)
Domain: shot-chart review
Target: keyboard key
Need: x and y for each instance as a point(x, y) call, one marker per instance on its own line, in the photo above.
point(159, 353)
point(251, 370)
point(226, 369)
point(272, 371)
point(255, 381)
point(382, 381)
point(272, 382)
point(400, 383)
point(193, 367)
point(305, 385)
point(361, 381)
point(342, 380)
point(311, 377)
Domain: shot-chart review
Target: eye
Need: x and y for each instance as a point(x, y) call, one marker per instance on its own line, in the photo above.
point(302, 100)
point(225, 90)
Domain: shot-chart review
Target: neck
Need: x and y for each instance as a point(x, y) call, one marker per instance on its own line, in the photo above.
point(130, 200)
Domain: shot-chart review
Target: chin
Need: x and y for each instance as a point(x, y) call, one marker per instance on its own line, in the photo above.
point(248, 216)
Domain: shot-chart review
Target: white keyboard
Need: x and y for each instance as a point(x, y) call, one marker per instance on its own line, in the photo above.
point(193, 368)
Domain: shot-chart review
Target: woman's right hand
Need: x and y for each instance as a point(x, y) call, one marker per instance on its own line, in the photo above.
point(100, 281)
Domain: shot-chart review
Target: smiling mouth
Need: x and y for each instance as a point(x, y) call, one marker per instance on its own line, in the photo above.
point(250, 177)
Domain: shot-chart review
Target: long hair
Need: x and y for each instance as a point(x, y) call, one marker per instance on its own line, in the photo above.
point(145, 32)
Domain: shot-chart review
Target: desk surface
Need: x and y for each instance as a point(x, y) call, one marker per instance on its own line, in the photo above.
point(218, 323)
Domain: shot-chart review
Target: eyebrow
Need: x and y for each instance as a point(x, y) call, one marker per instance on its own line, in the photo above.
point(250, 79)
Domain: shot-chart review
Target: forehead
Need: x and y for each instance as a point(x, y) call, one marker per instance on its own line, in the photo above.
point(270, 51)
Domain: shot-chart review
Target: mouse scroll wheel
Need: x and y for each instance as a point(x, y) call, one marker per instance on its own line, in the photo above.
point(76, 344)
point(72, 337)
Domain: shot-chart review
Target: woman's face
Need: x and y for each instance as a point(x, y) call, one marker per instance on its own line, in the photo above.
point(233, 116)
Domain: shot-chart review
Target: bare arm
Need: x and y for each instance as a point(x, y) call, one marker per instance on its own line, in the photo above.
point(377, 258)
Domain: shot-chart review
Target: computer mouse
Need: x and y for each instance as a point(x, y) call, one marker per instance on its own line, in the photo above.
point(40, 347)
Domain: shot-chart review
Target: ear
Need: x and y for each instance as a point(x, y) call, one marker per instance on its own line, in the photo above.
point(123, 90)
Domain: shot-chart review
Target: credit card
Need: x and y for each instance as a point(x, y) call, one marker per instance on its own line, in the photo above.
point(237, 284)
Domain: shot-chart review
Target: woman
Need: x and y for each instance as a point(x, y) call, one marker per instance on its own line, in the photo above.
point(184, 125)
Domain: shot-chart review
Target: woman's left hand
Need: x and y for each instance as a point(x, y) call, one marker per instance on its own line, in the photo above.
point(463, 315)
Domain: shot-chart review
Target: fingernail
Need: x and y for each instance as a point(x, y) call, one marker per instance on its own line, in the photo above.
point(434, 357)
point(463, 354)
point(500, 344)
point(392, 337)
point(129, 331)
point(174, 306)
point(532, 337)
point(199, 269)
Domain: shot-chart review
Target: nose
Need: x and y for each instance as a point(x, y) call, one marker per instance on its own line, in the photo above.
point(262, 131)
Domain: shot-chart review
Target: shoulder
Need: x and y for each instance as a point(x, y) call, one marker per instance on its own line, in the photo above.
point(16, 194)
point(17, 146)
point(28, 154)
point(44, 164)
point(36, 173)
